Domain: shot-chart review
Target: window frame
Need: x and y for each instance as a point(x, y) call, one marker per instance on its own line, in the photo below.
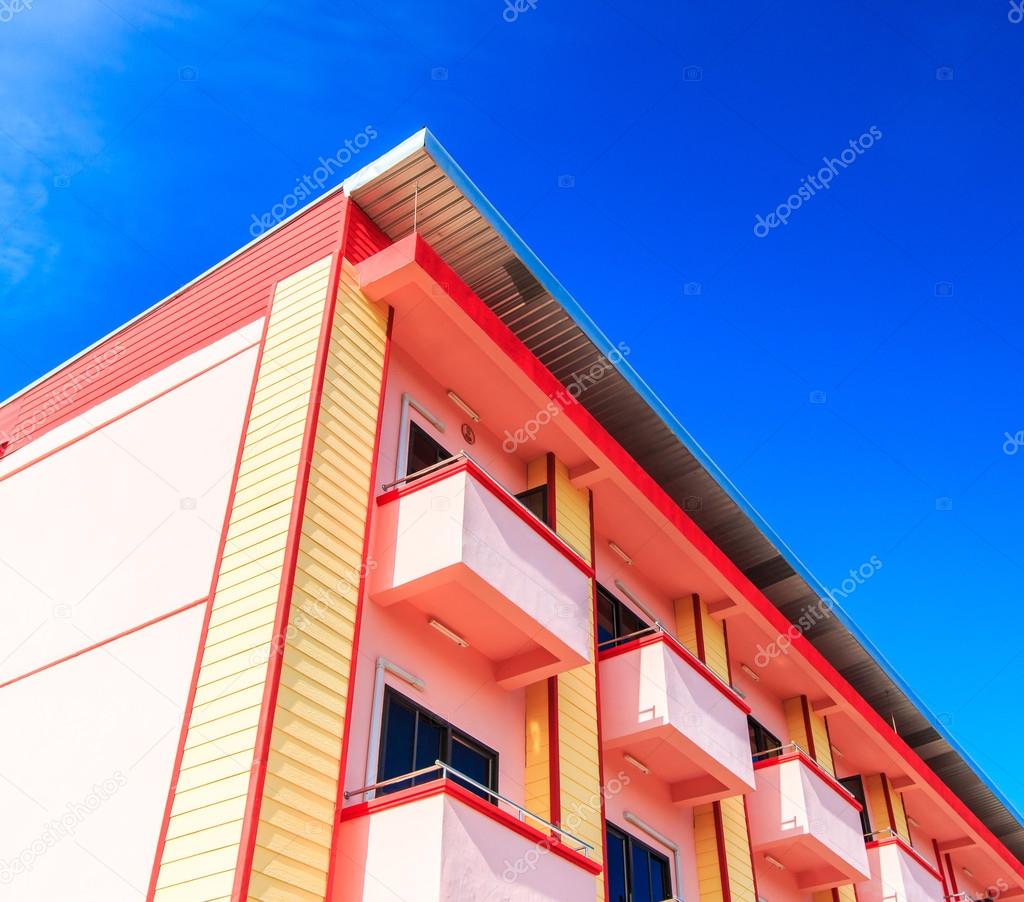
point(757, 732)
point(629, 841)
point(415, 428)
point(542, 491)
point(854, 785)
point(450, 733)
point(618, 606)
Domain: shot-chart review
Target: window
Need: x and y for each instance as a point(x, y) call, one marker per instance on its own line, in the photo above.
point(423, 450)
point(536, 502)
point(855, 786)
point(636, 873)
point(761, 740)
point(412, 738)
point(614, 620)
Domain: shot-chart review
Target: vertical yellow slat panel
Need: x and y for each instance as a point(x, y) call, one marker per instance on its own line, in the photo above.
point(846, 893)
point(686, 624)
point(880, 797)
point(294, 834)
point(798, 716)
point(572, 512)
point(702, 634)
point(538, 751)
point(794, 709)
point(721, 829)
point(204, 831)
point(579, 750)
point(709, 867)
point(878, 811)
point(736, 842)
point(822, 746)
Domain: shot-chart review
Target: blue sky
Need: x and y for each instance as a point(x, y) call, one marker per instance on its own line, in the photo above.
point(847, 370)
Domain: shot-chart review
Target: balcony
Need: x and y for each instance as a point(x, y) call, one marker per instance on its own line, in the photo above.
point(899, 874)
point(440, 841)
point(457, 546)
point(663, 706)
point(806, 821)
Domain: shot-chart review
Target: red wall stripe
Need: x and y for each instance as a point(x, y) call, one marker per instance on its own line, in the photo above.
point(220, 303)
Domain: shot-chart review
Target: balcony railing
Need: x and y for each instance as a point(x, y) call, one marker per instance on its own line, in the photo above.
point(899, 873)
point(665, 707)
point(454, 838)
point(453, 542)
point(805, 818)
point(446, 772)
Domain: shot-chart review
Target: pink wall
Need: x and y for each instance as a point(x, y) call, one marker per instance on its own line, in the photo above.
point(83, 799)
point(123, 525)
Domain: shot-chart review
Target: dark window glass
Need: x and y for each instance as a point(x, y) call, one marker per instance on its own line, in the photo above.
point(855, 786)
point(762, 740)
point(412, 739)
point(636, 873)
point(536, 502)
point(617, 869)
point(474, 761)
point(423, 450)
point(615, 621)
point(400, 746)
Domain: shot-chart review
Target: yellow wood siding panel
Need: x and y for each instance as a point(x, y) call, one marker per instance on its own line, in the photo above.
point(572, 512)
point(538, 750)
point(878, 812)
point(297, 813)
point(705, 839)
point(737, 850)
point(686, 623)
point(207, 811)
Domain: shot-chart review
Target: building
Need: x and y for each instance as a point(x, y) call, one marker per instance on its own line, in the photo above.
point(364, 568)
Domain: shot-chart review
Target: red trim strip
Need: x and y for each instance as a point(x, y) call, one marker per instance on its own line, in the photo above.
point(254, 801)
point(554, 753)
point(481, 476)
point(952, 874)
point(909, 849)
point(107, 641)
point(683, 652)
point(531, 366)
point(124, 413)
point(698, 628)
point(461, 794)
point(888, 803)
point(940, 872)
point(360, 604)
point(750, 844)
point(218, 561)
point(813, 766)
point(723, 861)
point(805, 707)
point(597, 691)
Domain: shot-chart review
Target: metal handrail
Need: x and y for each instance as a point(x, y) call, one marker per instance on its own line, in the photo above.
point(585, 848)
point(465, 455)
point(799, 748)
point(608, 643)
point(659, 627)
